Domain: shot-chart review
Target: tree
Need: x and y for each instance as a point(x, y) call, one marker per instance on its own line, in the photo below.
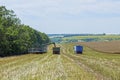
point(16, 38)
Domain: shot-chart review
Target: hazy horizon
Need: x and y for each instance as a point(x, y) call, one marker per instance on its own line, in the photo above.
point(68, 16)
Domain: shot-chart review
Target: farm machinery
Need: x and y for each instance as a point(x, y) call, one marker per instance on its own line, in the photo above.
point(43, 49)
point(78, 49)
point(56, 50)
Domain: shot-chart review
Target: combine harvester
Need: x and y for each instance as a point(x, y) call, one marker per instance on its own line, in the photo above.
point(43, 49)
point(56, 50)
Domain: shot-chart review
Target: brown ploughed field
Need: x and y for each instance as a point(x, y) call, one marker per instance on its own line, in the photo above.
point(107, 46)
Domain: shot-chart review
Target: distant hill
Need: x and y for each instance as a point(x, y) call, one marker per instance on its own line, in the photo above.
point(67, 38)
point(69, 35)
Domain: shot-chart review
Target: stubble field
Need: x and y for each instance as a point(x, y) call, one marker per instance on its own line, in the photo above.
point(90, 65)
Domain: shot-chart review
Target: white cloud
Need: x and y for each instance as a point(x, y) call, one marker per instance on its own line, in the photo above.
point(27, 10)
point(48, 7)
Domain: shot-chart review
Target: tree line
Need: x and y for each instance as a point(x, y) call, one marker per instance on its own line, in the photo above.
point(16, 38)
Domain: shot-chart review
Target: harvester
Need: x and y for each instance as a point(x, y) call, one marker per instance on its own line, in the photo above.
point(43, 49)
point(56, 50)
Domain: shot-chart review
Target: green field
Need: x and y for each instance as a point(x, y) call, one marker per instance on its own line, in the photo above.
point(90, 65)
point(91, 38)
point(102, 37)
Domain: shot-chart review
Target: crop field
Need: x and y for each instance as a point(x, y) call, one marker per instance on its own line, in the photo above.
point(108, 47)
point(89, 38)
point(90, 65)
point(103, 37)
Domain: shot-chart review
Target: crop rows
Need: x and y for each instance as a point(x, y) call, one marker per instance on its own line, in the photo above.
point(91, 65)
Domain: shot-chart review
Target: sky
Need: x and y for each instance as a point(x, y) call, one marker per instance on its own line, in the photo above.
point(68, 16)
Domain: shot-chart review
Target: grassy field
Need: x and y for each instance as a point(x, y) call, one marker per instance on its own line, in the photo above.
point(114, 37)
point(91, 65)
point(90, 38)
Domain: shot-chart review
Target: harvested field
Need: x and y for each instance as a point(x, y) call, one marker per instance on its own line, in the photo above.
point(90, 65)
point(108, 47)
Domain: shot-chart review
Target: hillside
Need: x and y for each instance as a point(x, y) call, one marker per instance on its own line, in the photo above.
point(68, 38)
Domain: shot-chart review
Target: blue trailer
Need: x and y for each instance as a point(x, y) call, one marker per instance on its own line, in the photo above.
point(78, 49)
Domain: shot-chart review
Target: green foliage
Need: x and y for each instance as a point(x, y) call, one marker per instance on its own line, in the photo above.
point(16, 38)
